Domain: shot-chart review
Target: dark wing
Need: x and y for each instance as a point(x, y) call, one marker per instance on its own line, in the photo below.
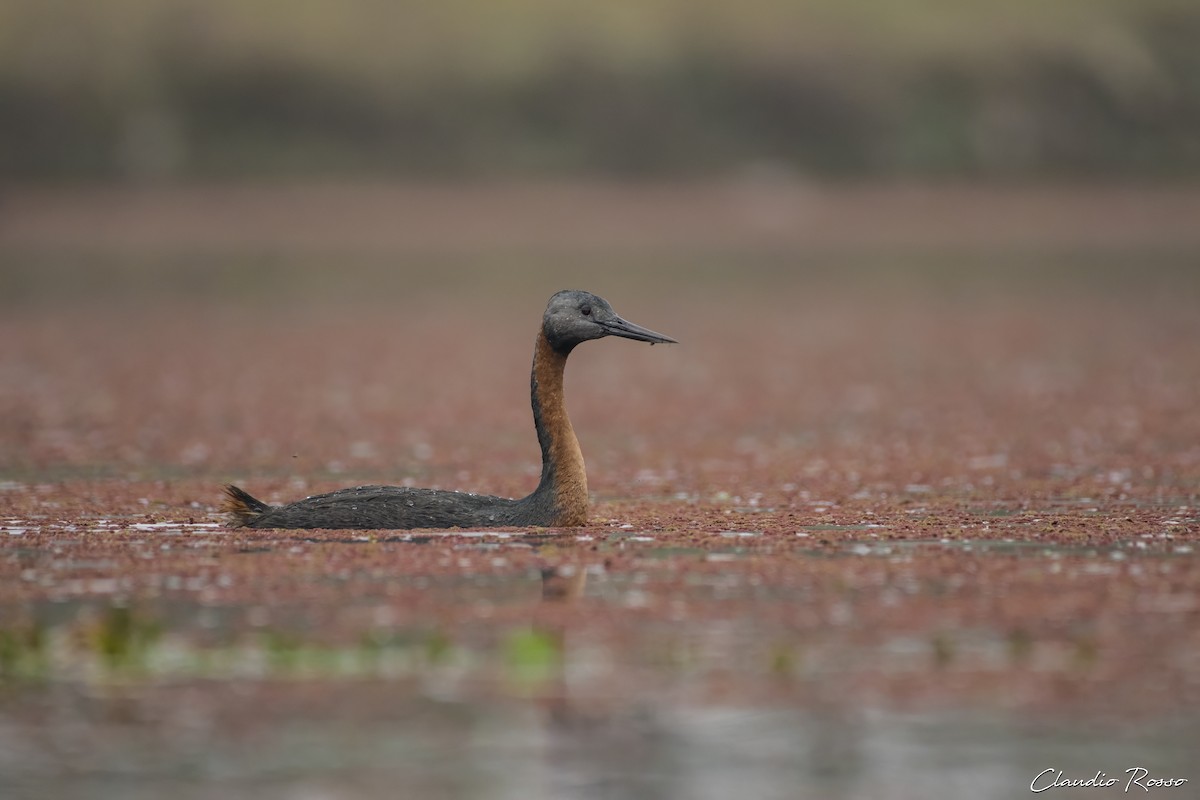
point(389, 507)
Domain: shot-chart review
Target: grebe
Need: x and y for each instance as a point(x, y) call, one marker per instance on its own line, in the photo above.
point(561, 497)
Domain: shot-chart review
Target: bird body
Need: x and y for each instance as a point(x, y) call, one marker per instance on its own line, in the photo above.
point(561, 497)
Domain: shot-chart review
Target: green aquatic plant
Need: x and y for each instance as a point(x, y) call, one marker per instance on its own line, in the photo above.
point(1020, 646)
point(943, 650)
point(284, 651)
point(124, 638)
point(783, 660)
point(23, 652)
point(532, 658)
point(438, 647)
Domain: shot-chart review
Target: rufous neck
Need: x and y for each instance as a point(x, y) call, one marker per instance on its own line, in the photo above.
point(564, 477)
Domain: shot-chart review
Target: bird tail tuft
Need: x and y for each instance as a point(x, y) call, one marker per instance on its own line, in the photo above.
point(242, 506)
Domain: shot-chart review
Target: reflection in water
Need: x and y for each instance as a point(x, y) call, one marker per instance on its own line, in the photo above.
point(380, 740)
point(564, 582)
point(881, 670)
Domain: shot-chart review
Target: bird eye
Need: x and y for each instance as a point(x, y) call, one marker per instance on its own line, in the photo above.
point(585, 310)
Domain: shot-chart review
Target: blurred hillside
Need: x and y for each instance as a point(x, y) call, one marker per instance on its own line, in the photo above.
point(179, 89)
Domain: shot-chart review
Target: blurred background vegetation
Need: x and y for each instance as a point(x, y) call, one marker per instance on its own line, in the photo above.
point(200, 89)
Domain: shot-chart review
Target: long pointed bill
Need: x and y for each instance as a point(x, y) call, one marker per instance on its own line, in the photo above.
point(619, 327)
